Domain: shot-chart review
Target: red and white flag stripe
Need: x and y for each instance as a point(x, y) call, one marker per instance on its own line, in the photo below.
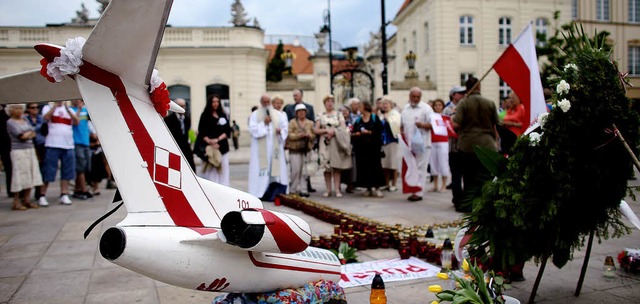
point(518, 67)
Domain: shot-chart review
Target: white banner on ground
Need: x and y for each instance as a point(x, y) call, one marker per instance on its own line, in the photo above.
point(357, 274)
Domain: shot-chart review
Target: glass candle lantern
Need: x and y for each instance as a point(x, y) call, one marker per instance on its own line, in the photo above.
point(609, 270)
point(446, 256)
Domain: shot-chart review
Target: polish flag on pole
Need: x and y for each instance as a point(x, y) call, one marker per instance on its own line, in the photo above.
point(518, 67)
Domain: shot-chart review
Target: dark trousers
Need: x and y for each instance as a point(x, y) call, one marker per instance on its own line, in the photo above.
point(474, 174)
point(455, 165)
point(235, 142)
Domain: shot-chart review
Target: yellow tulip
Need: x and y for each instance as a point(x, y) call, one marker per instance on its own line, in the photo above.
point(435, 288)
point(435, 302)
point(442, 276)
point(465, 265)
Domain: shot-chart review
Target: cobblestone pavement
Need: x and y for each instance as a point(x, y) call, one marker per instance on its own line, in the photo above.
point(44, 258)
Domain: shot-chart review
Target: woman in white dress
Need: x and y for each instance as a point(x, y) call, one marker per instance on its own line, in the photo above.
point(26, 170)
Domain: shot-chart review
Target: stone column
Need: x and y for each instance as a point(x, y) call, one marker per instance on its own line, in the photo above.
point(376, 63)
point(321, 76)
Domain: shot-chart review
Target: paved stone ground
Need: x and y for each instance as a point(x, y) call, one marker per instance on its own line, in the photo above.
point(44, 258)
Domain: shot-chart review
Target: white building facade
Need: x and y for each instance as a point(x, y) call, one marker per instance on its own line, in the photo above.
point(455, 39)
point(192, 61)
point(621, 18)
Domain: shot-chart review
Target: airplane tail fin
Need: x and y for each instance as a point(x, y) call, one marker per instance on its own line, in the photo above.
point(125, 51)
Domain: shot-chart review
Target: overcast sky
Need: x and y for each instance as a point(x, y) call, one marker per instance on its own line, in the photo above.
point(351, 20)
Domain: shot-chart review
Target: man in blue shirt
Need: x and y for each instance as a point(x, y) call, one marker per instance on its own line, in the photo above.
point(81, 134)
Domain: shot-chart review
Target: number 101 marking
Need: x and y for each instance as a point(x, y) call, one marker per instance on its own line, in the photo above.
point(243, 204)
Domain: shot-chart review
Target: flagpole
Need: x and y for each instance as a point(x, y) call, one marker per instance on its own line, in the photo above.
point(475, 86)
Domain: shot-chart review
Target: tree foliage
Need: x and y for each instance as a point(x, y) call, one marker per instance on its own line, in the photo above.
point(276, 65)
point(553, 48)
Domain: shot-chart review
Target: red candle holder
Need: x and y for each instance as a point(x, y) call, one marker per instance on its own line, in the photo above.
point(329, 241)
point(414, 244)
point(362, 242)
point(404, 250)
point(432, 253)
point(315, 242)
point(385, 240)
point(372, 240)
point(351, 241)
point(337, 230)
point(322, 243)
point(423, 250)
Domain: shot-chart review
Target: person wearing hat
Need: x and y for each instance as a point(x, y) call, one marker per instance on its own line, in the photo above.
point(299, 142)
point(290, 110)
point(455, 95)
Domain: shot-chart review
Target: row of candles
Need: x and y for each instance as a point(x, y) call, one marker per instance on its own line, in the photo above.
point(363, 233)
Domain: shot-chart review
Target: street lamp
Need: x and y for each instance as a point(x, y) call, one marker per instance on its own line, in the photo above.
point(383, 34)
point(327, 22)
point(351, 53)
point(411, 60)
point(288, 58)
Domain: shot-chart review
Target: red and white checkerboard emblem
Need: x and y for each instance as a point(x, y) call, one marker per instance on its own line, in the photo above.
point(167, 168)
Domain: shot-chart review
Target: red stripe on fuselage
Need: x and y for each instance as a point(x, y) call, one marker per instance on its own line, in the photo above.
point(286, 239)
point(288, 267)
point(174, 200)
point(204, 230)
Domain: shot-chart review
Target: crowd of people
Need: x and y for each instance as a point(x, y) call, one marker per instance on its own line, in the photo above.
point(361, 145)
point(40, 140)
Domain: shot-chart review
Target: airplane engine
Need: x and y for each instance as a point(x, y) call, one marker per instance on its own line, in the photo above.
point(265, 231)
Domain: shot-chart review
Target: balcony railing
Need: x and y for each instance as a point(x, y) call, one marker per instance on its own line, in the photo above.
point(190, 37)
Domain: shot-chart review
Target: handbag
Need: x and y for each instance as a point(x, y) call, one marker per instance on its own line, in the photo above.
point(417, 142)
point(311, 164)
point(200, 148)
point(297, 145)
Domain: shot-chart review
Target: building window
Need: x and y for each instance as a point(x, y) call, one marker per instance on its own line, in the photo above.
point(426, 36)
point(505, 89)
point(464, 77)
point(415, 41)
point(404, 46)
point(541, 31)
point(504, 31)
point(574, 9)
point(602, 10)
point(634, 10)
point(466, 30)
point(634, 60)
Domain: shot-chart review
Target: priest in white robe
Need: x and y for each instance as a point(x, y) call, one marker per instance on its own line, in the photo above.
point(267, 165)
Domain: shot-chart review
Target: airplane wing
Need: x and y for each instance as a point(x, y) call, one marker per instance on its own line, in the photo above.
point(129, 53)
point(30, 86)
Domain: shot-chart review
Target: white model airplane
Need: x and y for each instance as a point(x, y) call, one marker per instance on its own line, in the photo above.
point(180, 229)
